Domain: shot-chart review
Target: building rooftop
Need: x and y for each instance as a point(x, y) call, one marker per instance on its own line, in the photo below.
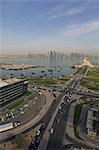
point(8, 81)
point(6, 126)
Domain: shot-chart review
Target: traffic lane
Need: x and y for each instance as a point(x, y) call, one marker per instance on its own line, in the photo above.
point(30, 112)
point(52, 108)
point(56, 140)
point(83, 119)
point(89, 94)
point(17, 112)
point(33, 110)
point(49, 114)
point(76, 142)
point(59, 125)
point(46, 117)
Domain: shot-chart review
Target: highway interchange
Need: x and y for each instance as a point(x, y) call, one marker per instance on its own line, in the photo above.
point(56, 137)
point(59, 125)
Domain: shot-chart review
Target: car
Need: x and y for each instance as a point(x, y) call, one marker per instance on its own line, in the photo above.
point(13, 116)
point(42, 128)
point(21, 112)
point(60, 108)
point(38, 133)
point(40, 93)
point(21, 109)
point(54, 98)
point(2, 119)
point(51, 131)
point(33, 141)
point(68, 100)
point(18, 123)
point(36, 144)
point(11, 113)
point(35, 87)
point(32, 147)
point(15, 124)
point(6, 115)
point(26, 105)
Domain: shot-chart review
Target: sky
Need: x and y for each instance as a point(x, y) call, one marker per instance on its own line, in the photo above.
point(43, 25)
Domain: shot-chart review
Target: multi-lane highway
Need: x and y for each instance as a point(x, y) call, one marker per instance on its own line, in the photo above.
point(58, 128)
point(59, 125)
point(57, 131)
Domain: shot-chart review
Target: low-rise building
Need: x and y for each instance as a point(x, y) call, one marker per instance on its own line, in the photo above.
point(11, 89)
point(92, 124)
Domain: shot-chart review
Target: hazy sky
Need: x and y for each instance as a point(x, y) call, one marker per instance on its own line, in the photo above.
point(44, 25)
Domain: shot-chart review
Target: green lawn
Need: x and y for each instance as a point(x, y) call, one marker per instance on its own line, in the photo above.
point(18, 101)
point(90, 84)
point(93, 73)
point(91, 81)
point(15, 104)
point(28, 93)
point(77, 113)
point(48, 81)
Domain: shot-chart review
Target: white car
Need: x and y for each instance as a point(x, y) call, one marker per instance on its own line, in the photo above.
point(21, 109)
point(51, 131)
point(15, 124)
point(2, 119)
point(22, 113)
point(60, 108)
point(38, 132)
point(18, 123)
point(6, 115)
point(40, 93)
point(13, 116)
point(26, 105)
point(68, 100)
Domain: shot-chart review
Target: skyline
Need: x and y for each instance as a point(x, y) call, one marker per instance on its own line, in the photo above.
point(41, 26)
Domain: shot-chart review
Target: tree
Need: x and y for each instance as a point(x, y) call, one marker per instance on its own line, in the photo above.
point(20, 140)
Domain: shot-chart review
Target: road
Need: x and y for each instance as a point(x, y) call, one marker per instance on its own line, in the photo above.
point(56, 139)
point(5, 136)
point(59, 125)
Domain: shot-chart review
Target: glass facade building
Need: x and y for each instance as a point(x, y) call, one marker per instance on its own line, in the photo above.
point(9, 91)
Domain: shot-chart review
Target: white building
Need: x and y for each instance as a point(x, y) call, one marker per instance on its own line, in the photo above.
point(84, 63)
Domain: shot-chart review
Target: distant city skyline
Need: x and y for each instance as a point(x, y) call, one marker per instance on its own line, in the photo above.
point(41, 26)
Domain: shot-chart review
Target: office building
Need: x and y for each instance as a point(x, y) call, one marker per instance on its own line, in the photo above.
point(11, 89)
